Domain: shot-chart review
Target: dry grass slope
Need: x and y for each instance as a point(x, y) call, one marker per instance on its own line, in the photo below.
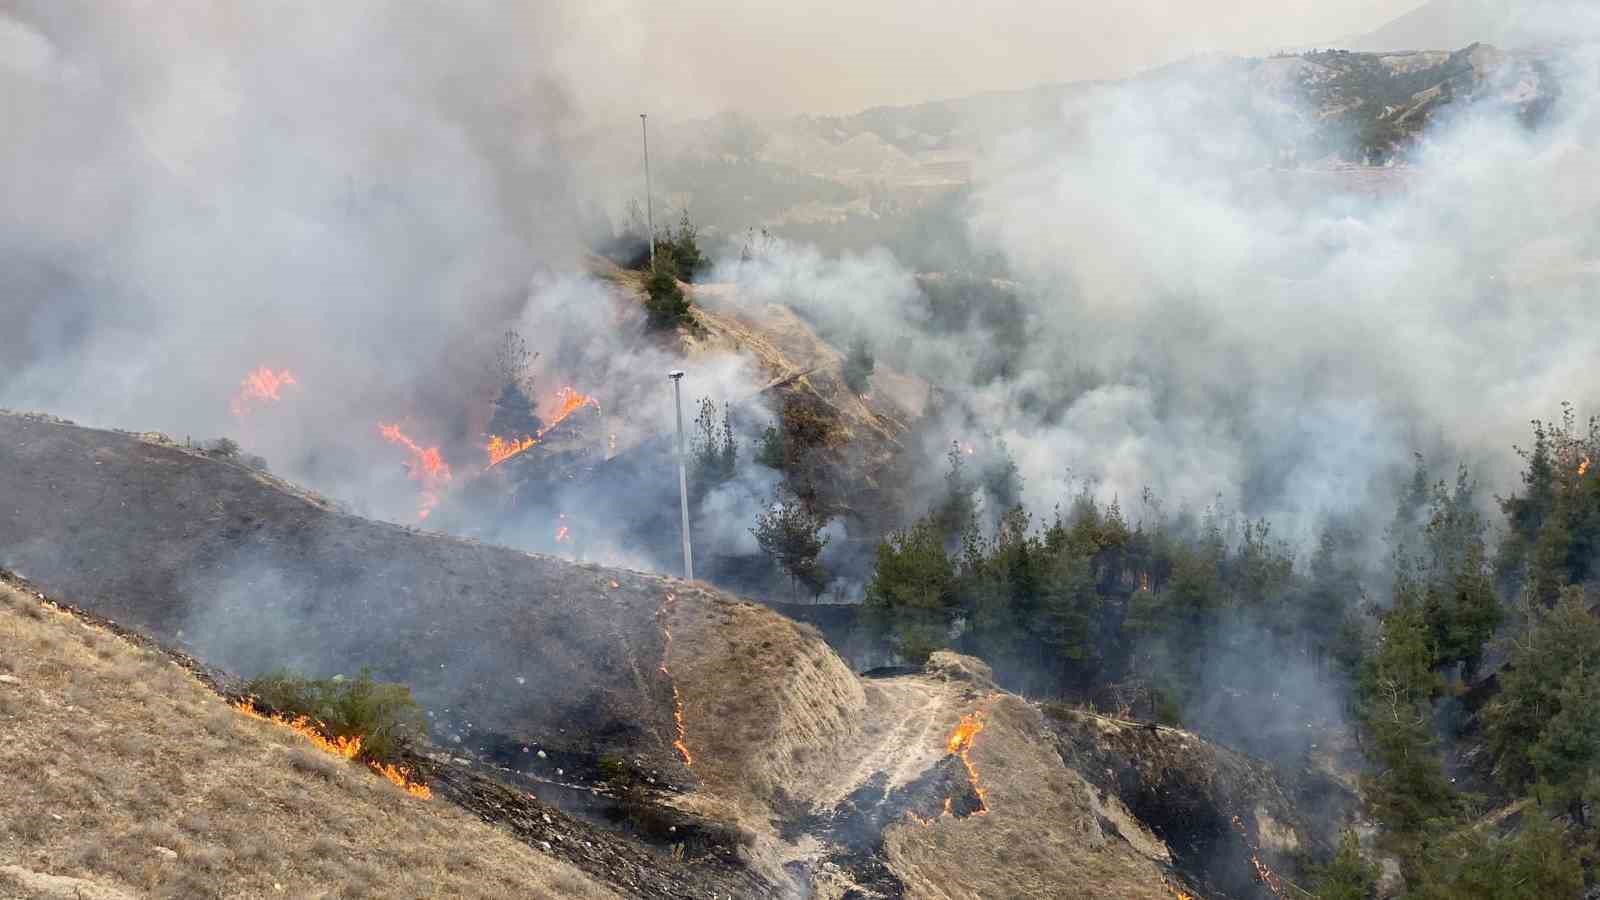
point(123, 776)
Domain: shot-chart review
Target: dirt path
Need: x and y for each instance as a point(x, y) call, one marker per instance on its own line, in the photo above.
point(907, 721)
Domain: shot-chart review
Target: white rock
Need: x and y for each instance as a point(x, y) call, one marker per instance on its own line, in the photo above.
point(165, 852)
point(10, 679)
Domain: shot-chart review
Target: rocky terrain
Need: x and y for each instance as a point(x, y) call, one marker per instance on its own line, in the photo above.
point(772, 767)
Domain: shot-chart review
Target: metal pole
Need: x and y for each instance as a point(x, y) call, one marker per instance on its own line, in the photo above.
point(649, 203)
point(683, 473)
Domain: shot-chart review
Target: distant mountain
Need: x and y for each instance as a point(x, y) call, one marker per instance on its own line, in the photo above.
point(1441, 24)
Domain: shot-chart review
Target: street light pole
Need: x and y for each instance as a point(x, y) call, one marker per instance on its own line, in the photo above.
point(683, 472)
point(649, 200)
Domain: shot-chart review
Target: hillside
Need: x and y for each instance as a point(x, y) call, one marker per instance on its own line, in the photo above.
point(767, 756)
point(1438, 23)
point(124, 776)
point(878, 176)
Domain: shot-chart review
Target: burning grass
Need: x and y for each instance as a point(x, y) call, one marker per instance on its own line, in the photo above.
point(119, 768)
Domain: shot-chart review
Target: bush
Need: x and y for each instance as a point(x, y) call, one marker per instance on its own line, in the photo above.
point(222, 448)
point(385, 716)
point(665, 302)
point(1348, 876)
point(859, 365)
point(681, 248)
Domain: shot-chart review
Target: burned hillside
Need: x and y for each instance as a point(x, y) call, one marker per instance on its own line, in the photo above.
point(539, 671)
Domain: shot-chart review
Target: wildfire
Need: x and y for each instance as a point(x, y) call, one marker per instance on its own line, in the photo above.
point(567, 400)
point(1583, 467)
point(960, 743)
point(500, 449)
point(1263, 874)
point(342, 747)
point(1180, 893)
point(563, 533)
point(260, 386)
point(680, 743)
point(427, 467)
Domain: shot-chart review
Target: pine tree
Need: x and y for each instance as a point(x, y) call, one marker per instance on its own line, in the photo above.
point(912, 590)
point(792, 536)
point(1555, 644)
point(1348, 876)
point(1397, 688)
point(957, 511)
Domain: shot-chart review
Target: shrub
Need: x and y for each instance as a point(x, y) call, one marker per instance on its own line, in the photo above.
point(681, 248)
point(1348, 876)
point(222, 448)
point(665, 302)
point(859, 365)
point(385, 716)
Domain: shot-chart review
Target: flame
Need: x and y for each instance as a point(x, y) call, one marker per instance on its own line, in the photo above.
point(565, 402)
point(960, 743)
point(1263, 874)
point(260, 386)
point(500, 449)
point(1144, 581)
point(1583, 467)
point(681, 742)
point(563, 533)
point(342, 747)
point(427, 467)
point(1180, 893)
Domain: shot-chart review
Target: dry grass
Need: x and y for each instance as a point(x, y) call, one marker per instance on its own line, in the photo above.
point(118, 768)
point(1042, 831)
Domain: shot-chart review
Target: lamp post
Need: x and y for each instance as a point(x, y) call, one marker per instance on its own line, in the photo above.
point(683, 472)
point(649, 201)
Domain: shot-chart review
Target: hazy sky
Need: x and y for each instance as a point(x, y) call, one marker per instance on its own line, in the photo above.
point(838, 56)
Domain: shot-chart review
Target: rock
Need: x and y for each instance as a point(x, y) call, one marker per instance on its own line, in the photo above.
point(165, 852)
point(10, 679)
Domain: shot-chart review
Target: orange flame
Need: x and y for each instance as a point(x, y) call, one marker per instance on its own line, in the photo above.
point(500, 449)
point(567, 400)
point(427, 467)
point(1263, 874)
point(960, 743)
point(1180, 893)
point(342, 747)
point(1583, 467)
point(563, 533)
point(681, 742)
point(260, 386)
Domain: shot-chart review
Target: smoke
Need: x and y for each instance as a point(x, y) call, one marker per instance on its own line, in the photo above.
point(339, 192)
point(1195, 312)
point(1192, 317)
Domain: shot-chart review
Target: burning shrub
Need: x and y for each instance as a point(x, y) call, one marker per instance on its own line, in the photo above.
point(383, 715)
